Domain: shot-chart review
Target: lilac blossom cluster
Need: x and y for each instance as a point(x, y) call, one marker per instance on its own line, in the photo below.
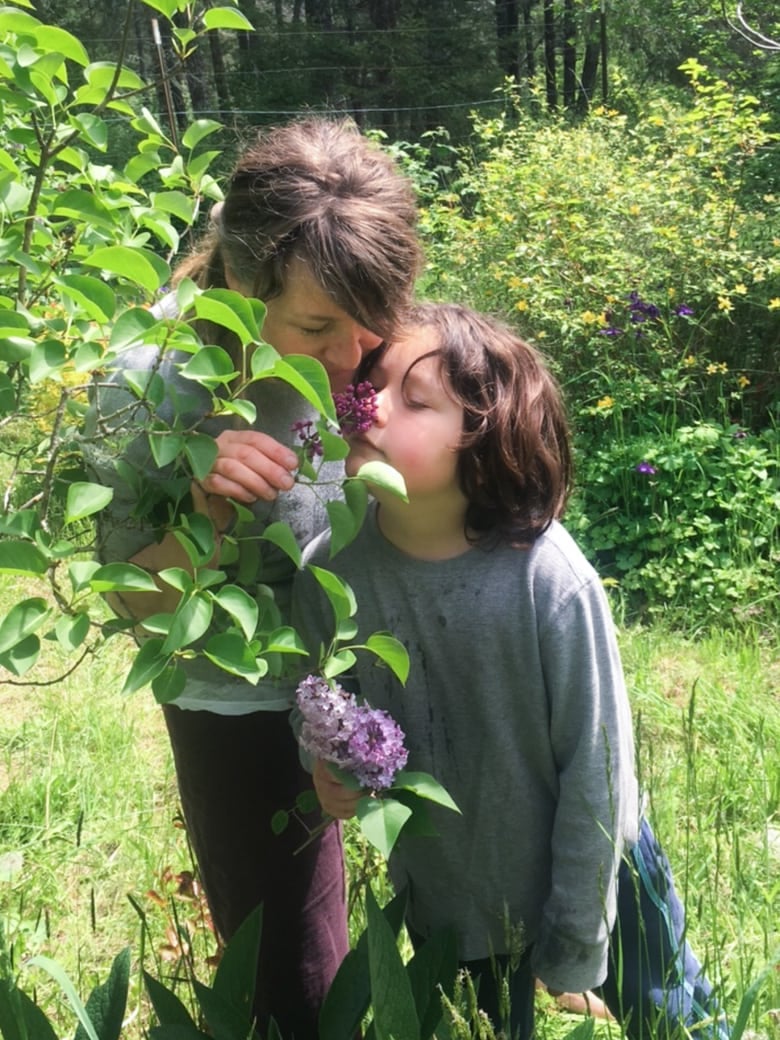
point(309, 438)
point(356, 408)
point(366, 742)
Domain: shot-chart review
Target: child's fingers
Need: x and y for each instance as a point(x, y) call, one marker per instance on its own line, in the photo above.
point(250, 466)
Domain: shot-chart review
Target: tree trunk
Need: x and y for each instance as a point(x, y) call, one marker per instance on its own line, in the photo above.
point(550, 79)
point(220, 76)
point(569, 55)
point(528, 37)
point(507, 34)
point(590, 66)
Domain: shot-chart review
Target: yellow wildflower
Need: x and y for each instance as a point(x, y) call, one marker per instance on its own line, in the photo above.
point(742, 382)
point(774, 303)
point(689, 361)
point(605, 402)
point(514, 282)
point(725, 304)
point(521, 305)
point(741, 288)
point(590, 317)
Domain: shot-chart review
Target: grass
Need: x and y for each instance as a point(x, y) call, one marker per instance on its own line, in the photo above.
point(89, 817)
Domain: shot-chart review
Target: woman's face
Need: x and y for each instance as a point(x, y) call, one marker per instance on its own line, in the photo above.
point(304, 319)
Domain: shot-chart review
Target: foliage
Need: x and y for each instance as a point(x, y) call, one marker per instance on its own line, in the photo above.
point(631, 251)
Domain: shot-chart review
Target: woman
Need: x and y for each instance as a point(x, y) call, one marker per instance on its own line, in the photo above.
point(319, 224)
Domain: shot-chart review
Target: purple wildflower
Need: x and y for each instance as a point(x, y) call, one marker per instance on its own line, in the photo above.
point(683, 311)
point(309, 437)
point(356, 408)
point(365, 742)
point(646, 468)
point(611, 331)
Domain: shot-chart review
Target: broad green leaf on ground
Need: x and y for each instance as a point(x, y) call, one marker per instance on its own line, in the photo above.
point(392, 999)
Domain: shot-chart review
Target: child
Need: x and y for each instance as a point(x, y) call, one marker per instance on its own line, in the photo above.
point(515, 701)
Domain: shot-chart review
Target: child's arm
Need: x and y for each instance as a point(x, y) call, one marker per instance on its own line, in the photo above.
point(597, 806)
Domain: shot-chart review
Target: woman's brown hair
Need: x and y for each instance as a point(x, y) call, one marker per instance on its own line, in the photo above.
point(317, 190)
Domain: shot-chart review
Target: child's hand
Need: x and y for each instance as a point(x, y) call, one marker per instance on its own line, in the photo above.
point(250, 465)
point(337, 800)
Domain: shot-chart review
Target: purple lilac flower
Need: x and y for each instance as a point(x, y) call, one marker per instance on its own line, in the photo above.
point(356, 408)
point(365, 742)
point(376, 748)
point(646, 468)
point(309, 437)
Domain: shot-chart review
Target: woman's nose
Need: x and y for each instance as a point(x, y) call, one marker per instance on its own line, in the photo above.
point(349, 351)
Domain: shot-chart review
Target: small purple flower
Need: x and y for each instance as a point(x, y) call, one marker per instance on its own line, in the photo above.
point(611, 331)
point(356, 408)
point(309, 437)
point(646, 468)
point(365, 742)
point(683, 311)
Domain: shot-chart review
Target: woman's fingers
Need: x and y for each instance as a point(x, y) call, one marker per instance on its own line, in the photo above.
point(250, 466)
point(336, 799)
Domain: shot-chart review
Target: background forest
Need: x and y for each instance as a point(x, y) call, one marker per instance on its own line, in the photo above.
point(604, 174)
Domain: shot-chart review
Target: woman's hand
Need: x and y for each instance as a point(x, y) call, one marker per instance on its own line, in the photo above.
point(250, 465)
point(336, 799)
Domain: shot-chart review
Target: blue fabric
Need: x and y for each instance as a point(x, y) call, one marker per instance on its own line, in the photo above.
point(655, 986)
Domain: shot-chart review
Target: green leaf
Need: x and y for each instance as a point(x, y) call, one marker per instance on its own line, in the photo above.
point(169, 1009)
point(46, 360)
point(309, 378)
point(86, 499)
point(20, 1016)
point(342, 525)
point(21, 621)
point(210, 366)
point(392, 651)
point(395, 1015)
point(240, 606)
point(169, 684)
point(199, 129)
point(424, 785)
point(191, 620)
point(285, 640)
point(337, 664)
point(107, 1002)
point(231, 653)
point(380, 475)
point(280, 821)
point(21, 657)
point(341, 596)
point(148, 664)
point(22, 558)
point(72, 631)
point(432, 969)
point(280, 534)
point(381, 820)
point(231, 310)
point(264, 358)
point(166, 446)
point(122, 577)
point(93, 294)
point(236, 975)
point(175, 202)
point(226, 18)
point(139, 266)
point(53, 39)
point(224, 1021)
point(201, 450)
point(67, 987)
point(92, 128)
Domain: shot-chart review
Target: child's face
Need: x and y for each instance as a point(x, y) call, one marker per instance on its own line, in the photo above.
point(418, 424)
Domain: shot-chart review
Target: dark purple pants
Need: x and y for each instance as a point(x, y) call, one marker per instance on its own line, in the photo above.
point(234, 773)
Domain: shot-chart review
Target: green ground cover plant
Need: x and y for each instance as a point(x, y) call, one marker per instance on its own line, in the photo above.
point(101, 863)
